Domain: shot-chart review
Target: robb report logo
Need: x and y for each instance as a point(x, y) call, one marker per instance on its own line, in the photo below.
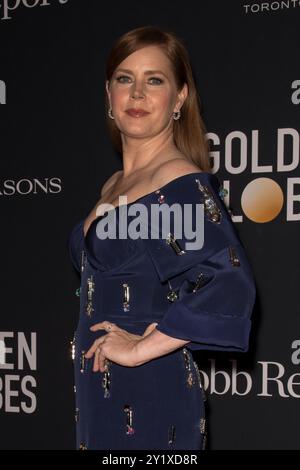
point(272, 378)
point(8, 7)
point(26, 186)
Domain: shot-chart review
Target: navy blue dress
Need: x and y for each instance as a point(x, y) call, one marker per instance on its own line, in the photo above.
point(204, 296)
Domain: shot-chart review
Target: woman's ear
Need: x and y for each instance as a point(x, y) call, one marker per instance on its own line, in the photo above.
point(107, 89)
point(182, 95)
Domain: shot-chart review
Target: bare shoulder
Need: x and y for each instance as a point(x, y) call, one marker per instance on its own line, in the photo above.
point(110, 181)
point(172, 169)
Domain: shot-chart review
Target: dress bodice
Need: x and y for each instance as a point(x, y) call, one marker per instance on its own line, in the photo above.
point(113, 252)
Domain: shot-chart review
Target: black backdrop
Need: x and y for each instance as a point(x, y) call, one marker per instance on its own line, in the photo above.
point(56, 154)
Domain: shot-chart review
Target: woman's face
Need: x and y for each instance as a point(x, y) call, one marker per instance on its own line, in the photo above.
point(144, 80)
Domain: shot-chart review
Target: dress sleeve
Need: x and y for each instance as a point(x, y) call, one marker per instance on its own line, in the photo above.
point(213, 286)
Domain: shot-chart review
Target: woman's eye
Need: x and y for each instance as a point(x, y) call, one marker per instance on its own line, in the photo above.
point(124, 78)
point(158, 80)
point(119, 79)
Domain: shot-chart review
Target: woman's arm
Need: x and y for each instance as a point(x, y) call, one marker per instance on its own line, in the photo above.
point(154, 345)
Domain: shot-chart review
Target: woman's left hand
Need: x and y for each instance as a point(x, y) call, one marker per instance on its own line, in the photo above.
point(117, 345)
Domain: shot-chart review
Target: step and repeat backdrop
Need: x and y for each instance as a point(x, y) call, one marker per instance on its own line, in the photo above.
point(56, 154)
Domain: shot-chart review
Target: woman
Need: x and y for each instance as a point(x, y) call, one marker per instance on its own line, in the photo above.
point(147, 302)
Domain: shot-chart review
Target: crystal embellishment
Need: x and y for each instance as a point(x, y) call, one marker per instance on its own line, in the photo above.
point(90, 291)
point(129, 428)
point(171, 240)
point(161, 197)
point(211, 208)
point(234, 260)
point(126, 297)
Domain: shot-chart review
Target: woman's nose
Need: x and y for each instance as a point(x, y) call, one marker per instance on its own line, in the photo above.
point(137, 91)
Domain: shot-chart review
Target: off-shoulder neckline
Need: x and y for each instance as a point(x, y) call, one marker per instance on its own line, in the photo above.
point(161, 188)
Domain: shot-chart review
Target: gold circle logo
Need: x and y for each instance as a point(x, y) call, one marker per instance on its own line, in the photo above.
point(262, 200)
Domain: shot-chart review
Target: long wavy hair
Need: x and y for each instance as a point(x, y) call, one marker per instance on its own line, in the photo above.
point(189, 131)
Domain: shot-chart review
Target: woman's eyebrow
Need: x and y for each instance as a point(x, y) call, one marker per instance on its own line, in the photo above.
point(147, 72)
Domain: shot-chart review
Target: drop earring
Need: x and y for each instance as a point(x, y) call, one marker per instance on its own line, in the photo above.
point(176, 115)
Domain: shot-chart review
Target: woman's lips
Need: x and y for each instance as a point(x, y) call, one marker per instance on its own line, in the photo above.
point(136, 112)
